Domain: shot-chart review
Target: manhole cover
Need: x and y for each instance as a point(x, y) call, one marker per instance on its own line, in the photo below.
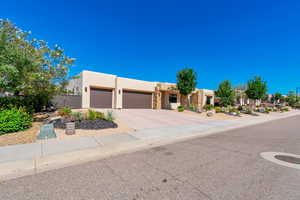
point(289, 159)
point(284, 159)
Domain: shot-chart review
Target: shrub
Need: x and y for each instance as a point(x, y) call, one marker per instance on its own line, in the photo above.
point(226, 109)
point(192, 107)
point(76, 116)
point(232, 109)
point(208, 107)
point(180, 108)
point(248, 111)
point(92, 115)
point(32, 104)
point(284, 109)
point(218, 109)
point(17, 102)
point(240, 108)
point(296, 105)
point(13, 120)
point(100, 115)
point(65, 112)
point(109, 116)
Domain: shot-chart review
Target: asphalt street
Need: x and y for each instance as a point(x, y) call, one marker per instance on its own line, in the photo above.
point(224, 166)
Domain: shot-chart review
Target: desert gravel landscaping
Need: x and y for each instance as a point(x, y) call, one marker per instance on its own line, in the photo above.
point(217, 116)
point(86, 124)
point(21, 137)
point(127, 121)
point(122, 128)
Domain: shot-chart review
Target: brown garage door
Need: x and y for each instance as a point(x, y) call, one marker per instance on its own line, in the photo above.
point(137, 99)
point(100, 98)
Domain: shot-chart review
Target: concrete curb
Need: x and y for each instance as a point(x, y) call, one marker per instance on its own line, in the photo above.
point(15, 169)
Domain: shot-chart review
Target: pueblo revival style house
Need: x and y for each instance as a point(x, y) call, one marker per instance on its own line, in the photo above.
point(99, 90)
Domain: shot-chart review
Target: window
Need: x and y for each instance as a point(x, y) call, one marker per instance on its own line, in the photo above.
point(172, 98)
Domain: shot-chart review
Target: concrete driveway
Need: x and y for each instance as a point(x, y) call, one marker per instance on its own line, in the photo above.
point(147, 119)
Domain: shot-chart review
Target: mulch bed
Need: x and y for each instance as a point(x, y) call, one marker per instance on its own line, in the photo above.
point(86, 124)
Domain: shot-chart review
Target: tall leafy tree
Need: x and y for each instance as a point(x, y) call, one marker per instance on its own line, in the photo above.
point(28, 66)
point(226, 93)
point(291, 98)
point(278, 97)
point(186, 83)
point(256, 88)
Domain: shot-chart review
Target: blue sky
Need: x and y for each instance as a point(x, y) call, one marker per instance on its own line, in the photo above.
point(151, 40)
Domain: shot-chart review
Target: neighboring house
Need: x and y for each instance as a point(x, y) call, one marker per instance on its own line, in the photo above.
point(271, 99)
point(99, 90)
point(241, 97)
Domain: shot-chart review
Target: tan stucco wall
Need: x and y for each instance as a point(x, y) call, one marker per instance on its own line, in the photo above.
point(206, 93)
point(118, 84)
point(134, 85)
point(95, 79)
point(165, 100)
point(199, 97)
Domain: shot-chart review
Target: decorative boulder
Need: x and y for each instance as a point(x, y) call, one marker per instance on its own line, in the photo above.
point(40, 117)
point(209, 114)
point(262, 110)
point(233, 113)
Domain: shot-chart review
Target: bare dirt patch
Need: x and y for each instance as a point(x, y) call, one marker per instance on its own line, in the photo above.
point(21, 137)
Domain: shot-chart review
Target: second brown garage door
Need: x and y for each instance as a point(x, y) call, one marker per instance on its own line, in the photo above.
point(137, 99)
point(100, 98)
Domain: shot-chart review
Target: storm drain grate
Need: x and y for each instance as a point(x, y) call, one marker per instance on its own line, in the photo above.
point(284, 159)
point(289, 159)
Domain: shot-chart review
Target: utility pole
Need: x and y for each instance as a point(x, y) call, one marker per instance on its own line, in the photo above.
point(297, 88)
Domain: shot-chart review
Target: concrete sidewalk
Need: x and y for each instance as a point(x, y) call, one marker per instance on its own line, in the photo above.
point(20, 160)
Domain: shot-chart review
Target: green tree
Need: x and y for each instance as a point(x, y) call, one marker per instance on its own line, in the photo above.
point(226, 93)
point(291, 98)
point(278, 97)
point(29, 67)
point(256, 88)
point(186, 83)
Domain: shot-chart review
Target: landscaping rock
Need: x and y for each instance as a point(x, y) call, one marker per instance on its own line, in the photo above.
point(210, 114)
point(40, 117)
point(85, 124)
point(233, 114)
point(262, 110)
